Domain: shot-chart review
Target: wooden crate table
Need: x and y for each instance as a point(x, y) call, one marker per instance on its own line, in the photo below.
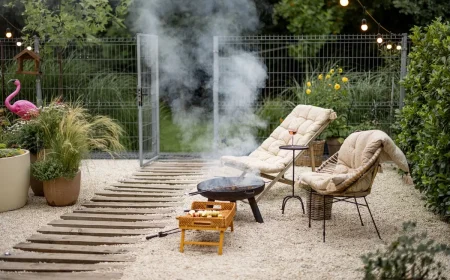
point(227, 209)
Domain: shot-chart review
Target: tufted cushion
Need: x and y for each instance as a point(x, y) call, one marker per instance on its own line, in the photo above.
point(269, 158)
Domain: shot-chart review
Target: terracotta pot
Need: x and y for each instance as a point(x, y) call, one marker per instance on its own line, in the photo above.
point(14, 181)
point(36, 185)
point(333, 145)
point(62, 192)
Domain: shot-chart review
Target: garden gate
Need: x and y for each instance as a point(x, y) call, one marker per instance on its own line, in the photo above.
point(148, 97)
point(293, 59)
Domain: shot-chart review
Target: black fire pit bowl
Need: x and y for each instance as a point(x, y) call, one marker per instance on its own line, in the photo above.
point(231, 188)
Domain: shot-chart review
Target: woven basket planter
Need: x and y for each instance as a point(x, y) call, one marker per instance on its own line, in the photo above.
point(305, 158)
point(317, 207)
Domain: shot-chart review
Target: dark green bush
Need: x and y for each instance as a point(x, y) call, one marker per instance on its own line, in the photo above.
point(424, 121)
point(411, 256)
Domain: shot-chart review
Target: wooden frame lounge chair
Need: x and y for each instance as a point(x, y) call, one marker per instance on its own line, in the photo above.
point(268, 160)
point(349, 174)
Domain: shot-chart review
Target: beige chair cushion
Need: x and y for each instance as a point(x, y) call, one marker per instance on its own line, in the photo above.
point(269, 158)
point(355, 153)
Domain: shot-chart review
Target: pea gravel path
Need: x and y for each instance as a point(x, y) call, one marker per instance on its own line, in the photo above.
point(281, 248)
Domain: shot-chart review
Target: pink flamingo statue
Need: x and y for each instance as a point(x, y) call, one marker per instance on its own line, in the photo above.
point(23, 108)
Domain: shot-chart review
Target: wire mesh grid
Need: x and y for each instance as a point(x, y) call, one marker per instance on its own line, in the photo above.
point(291, 61)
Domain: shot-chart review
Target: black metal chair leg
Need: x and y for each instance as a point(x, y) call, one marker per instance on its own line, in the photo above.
point(310, 201)
point(359, 213)
point(323, 218)
point(367, 204)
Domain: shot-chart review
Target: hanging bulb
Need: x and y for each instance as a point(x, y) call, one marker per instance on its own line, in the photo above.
point(29, 48)
point(8, 33)
point(343, 3)
point(19, 43)
point(398, 47)
point(364, 26)
point(379, 39)
point(389, 46)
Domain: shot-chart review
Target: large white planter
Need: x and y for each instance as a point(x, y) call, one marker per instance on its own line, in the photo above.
point(14, 181)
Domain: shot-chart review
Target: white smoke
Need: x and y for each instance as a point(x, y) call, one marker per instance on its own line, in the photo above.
point(186, 30)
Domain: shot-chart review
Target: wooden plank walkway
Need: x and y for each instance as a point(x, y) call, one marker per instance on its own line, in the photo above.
point(82, 244)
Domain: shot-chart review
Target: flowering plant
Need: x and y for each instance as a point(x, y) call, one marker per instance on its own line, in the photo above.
point(330, 90)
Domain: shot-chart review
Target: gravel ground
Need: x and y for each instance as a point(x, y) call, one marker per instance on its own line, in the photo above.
point(283, 247)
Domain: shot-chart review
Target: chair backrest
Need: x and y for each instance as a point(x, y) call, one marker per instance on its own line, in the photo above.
point(309, 121)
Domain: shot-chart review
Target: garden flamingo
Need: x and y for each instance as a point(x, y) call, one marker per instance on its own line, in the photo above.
point(25, 109)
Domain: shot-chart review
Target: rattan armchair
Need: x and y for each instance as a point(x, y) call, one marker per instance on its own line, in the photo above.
point(357, 185)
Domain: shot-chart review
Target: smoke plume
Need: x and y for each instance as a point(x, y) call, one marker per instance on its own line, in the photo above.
point(185, 30)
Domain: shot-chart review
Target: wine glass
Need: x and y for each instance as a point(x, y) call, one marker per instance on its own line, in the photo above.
point(292, 132)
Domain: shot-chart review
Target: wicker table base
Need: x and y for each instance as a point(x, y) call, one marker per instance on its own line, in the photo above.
point(315, 206)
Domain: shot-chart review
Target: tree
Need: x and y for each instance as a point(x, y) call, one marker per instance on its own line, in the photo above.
point(65, 21)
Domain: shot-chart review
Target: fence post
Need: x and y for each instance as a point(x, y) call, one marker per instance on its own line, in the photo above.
point(403, 67)
point(216, 92)
point(38, 76)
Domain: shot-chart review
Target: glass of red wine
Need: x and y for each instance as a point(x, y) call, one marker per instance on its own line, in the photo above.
point(292, 132)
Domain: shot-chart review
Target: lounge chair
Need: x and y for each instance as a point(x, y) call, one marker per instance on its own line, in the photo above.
point(349, 174)
point(268, 160)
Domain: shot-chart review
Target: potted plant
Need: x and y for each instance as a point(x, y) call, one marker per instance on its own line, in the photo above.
point(69, 133)
point(15, 177)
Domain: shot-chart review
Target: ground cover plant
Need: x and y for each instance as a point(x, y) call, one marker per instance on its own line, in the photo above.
point(423, 123)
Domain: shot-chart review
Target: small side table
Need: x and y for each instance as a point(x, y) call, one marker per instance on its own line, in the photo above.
point(293, 148)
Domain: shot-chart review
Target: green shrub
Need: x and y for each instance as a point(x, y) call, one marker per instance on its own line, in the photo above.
point(424, 131)
point(4, 153)
point(411, 256)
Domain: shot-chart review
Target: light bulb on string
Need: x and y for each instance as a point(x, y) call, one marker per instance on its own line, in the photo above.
point(343, 3)
point(8, 33)
point(379, 38)
point(398, 47)
point(19, 43)
point(364, 26)
point(29, 48)
point(389, 46)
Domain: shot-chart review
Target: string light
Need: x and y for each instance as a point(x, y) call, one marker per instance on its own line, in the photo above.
point(364, 26)
point(19, 43)
point(8, 33)
point(379, 39)
point(389, 46)
point(398, 47)
point(343, 3)
point(29, 48)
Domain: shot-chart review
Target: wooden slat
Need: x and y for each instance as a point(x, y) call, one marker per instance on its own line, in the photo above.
point(101, 224)
point(158, 191)
point(93, 231)
point(170, 172)
point(64, 258)
point(166, 177)
point(135, 199)
point(130, 205)
point(109, 217)
point(119, 211)
point(155, 182)
point(136, 194)
point(153, 186)
point(77, 249)
point(177, 168)
point(57, 267)
point(81, 240)
point(61, 276)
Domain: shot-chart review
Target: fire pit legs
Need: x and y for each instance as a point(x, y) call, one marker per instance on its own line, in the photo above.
point(255, 209)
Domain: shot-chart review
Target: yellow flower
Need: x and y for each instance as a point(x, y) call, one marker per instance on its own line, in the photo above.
point(327, 76)
point(332, 71)
point(320, 77)
point(340, 70)
point(345, 79)
point(337, 86)
point(308, 91)
point(308, 84)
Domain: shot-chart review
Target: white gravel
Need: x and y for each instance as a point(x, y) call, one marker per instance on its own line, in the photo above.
point(283, 247)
